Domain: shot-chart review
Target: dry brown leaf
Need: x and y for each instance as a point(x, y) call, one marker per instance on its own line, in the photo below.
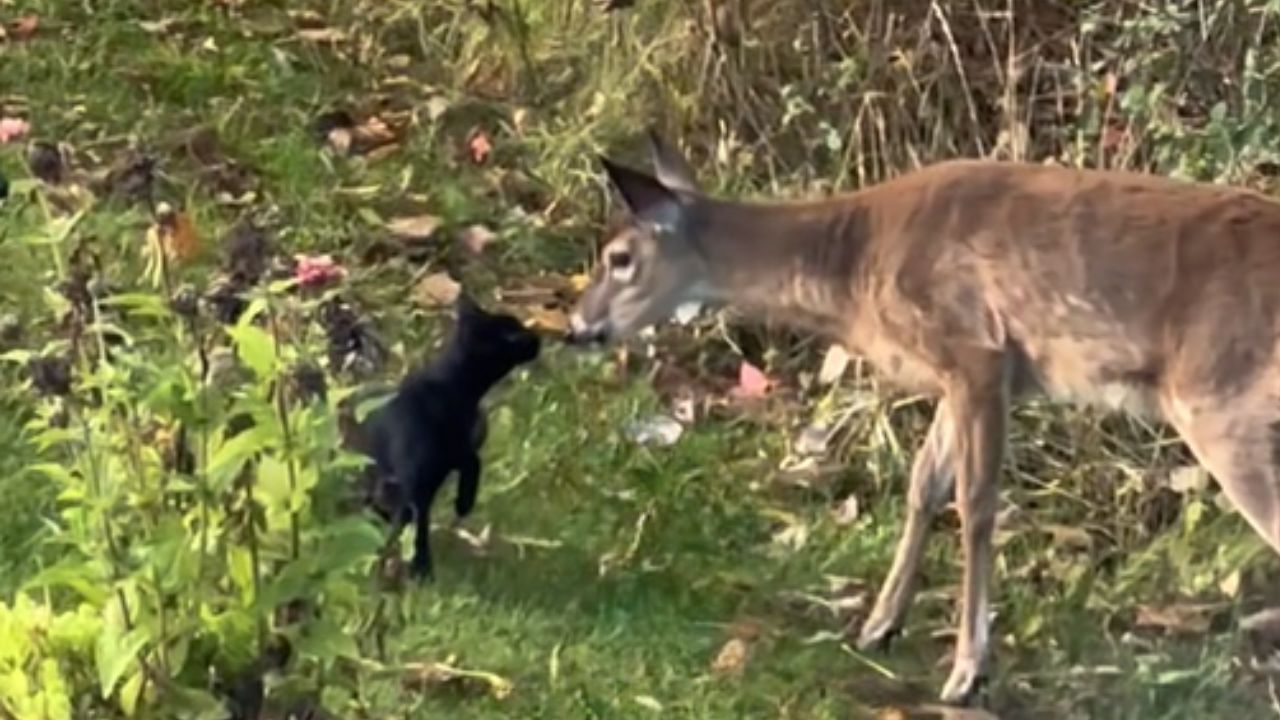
point(415, 227)
point(175, 233)
point(579, 282)
point(436, 289)
point(732, 657)
point(1177, 619)
point(182, 242)
point(374, 131)
point(549, 319)
point(475, 238)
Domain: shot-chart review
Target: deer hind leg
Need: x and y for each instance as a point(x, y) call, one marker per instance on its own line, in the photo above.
point(932, 485)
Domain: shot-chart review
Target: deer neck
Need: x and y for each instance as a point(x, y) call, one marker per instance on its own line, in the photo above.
point(793, 262)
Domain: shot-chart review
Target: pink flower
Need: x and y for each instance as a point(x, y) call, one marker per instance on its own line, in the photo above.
point(12, 129)
point(317, 270)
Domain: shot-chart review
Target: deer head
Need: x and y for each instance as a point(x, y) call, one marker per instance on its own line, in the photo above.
point(653, 264)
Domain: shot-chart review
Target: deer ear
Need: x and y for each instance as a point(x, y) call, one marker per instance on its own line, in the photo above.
point(644, 195)
point(672, 169)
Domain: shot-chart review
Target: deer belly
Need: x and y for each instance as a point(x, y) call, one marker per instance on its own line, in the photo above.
point(1107, 373)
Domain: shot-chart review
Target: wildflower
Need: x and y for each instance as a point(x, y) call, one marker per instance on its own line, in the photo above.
point(317, 270)
point(12, 129)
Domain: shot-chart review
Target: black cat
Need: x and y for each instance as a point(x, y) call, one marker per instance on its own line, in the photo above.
point(434, 424)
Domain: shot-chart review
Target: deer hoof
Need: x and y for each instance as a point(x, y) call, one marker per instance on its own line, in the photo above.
point(877, 635)
point(963, 684)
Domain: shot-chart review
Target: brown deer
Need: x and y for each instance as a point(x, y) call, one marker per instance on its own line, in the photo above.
point(979, 282)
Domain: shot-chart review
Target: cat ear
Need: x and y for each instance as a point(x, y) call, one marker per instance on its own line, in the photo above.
point(465, 305)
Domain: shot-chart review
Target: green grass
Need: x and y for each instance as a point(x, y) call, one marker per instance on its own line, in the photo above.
point(615, 573)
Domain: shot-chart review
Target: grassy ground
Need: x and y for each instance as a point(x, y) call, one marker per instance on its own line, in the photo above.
point(615, 575)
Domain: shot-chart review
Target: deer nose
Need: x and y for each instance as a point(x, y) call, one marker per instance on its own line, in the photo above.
point(581, 332)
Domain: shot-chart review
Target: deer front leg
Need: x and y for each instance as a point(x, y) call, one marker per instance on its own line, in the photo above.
point(979, 406)
point(932, 482)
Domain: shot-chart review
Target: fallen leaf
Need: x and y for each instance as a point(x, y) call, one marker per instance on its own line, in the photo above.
point(475, 238)
point(732, 658)
point(324, 35)
point(174, 233)
point(813, 440)
point(1177, 619)
point(371, 133)
point(649, 702)
point(579, 282)
point(414, 228)
point(436, 289)
point(1189, 479)
point(479, 146)
point(436, 106)
point(548, 319)
point(1230, 585)
point(182, 241)
point(752, 382)
point(655, 429)
point(847, 511)
point(520, 120)
point(834, 364)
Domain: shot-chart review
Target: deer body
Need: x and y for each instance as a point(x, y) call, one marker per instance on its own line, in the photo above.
point(978, 283)
point(1090, 282)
